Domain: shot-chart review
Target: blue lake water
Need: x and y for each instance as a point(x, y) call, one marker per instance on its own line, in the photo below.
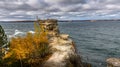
point(95, 41)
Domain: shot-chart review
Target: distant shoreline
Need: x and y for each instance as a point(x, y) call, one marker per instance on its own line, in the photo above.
point(63, 20)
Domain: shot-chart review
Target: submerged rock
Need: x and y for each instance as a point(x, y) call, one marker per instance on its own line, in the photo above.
point(63, 48)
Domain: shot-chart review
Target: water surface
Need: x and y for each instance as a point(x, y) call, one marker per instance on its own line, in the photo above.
point(95, 41)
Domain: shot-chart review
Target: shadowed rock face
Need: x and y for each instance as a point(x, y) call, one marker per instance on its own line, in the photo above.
point(63, 49)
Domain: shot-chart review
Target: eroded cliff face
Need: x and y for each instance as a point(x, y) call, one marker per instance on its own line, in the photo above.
point(62, 47)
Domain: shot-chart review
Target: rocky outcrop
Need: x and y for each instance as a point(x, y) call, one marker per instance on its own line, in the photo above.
point(63, 48)
point(113, 62)
point(50, 26)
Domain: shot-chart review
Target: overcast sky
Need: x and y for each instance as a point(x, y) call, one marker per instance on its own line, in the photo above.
point(59, 9)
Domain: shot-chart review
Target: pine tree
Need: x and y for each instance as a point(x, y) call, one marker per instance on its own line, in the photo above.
point(3, 41)
point(3, 37)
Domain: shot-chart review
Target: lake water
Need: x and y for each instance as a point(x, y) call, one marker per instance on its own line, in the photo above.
point(95, 41)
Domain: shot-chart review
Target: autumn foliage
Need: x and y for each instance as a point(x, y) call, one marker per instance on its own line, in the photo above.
point(28, 51)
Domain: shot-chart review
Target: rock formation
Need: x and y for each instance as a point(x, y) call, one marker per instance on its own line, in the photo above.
point(113, 62)
point(63, 48)
point(50, 26)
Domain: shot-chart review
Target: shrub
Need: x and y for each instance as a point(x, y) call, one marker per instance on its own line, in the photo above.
point(31, 50)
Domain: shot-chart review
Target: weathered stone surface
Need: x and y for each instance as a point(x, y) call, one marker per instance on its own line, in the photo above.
point(63, 53)
point(113, 62)
point(64, 36)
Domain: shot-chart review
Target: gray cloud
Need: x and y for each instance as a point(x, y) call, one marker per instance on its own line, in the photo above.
point(52, 8)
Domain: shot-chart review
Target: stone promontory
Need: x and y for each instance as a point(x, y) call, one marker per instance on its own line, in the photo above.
point(64, 53)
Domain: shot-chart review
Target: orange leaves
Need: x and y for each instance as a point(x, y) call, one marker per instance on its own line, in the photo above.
point(32, 47)
point(40, 35)
point(9, 54)
point(22, 47)
point(41, 38)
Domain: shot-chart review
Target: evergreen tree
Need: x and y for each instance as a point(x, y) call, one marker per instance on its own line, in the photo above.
point(3, 40)
point(3, 37)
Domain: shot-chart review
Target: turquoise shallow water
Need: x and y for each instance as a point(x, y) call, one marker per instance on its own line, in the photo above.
point(95, 41)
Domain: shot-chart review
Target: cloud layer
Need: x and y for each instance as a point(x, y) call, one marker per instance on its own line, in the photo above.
point(60, 9)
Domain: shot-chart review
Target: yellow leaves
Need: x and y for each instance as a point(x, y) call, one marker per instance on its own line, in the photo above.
point(20, 53)
point(36, 27)
point(22, 47)
point(41, 38)
point(32, 47)
point(9, 54)
point(40, 35)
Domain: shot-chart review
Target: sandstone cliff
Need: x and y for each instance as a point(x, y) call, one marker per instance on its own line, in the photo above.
point(63, 47)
